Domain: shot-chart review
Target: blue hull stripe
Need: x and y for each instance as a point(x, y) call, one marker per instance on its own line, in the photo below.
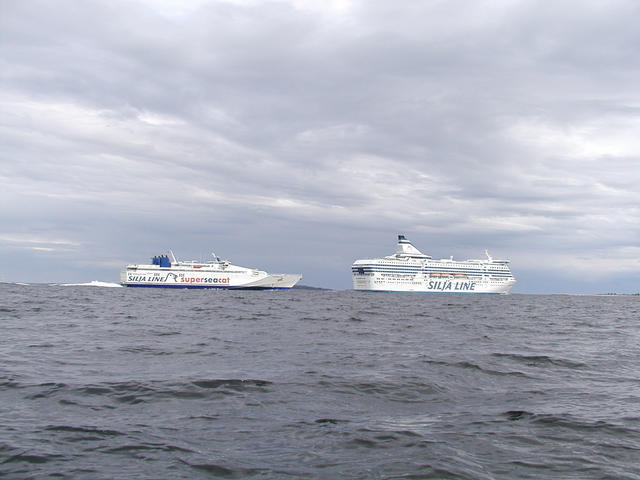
point(205, 287)
point(432, 293)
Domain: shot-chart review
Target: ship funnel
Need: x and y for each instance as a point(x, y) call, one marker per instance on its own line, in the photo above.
point(406, 248)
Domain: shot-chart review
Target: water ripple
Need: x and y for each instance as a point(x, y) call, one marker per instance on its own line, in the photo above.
point(133, 383)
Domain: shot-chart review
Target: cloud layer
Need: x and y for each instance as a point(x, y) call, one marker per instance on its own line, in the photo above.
point(298, 136)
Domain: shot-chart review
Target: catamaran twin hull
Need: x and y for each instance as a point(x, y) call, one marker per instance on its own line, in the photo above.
point(409, 270)
point(170, 273)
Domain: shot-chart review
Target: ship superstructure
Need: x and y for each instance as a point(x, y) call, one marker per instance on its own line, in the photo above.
point(167, 272)
point(410, 270)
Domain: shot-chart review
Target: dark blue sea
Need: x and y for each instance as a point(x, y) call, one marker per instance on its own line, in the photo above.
point(105, 383)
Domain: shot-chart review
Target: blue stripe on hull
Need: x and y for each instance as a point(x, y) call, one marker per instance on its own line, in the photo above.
point(205, 287)
point(432, 293)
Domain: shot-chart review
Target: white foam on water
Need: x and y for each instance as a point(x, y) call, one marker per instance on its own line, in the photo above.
point(93, 283)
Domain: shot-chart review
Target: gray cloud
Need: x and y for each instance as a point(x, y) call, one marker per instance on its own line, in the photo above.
point(298, 137)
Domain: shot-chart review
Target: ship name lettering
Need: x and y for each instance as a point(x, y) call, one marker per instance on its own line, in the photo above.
point(466, 286)
point(440, 285)
point(204, 280)
point(447, 285)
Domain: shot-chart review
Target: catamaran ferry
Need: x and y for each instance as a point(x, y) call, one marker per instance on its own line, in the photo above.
point(410, 270)
point(167, 272)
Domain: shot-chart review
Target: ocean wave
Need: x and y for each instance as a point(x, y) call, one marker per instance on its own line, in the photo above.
point(571, 422)
point(466, 365)
point(488, 371)
point(220, 471)
point(540, 360)
point(133, 448)
point(30, 458)
point(93, 283)
point(134, 392)
point(408, 391)
point(90, 430)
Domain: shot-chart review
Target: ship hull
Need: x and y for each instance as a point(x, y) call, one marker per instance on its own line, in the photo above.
point(202, 279)
point(453, 286)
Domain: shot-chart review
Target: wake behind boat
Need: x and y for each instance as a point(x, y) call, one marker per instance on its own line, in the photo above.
point(167, 272)
point(410, 270)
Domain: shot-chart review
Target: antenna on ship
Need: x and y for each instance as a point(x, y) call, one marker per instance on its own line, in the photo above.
point(172, 257)
point(486, 252)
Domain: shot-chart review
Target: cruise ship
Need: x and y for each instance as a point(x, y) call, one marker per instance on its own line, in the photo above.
point(410, 270)
point(167, 272)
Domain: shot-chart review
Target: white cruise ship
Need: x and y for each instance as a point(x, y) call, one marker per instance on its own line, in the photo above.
point(409, 270)
point(167, 272)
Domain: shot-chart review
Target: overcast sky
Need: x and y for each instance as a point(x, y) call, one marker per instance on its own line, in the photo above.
point(296, 136)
